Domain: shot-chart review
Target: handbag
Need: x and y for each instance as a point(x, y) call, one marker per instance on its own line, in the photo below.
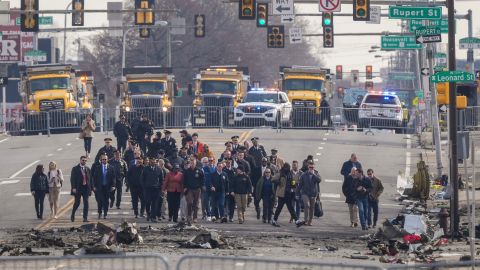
point(82, 135)
point(318, 209)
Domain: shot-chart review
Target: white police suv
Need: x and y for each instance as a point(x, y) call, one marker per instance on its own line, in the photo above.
point(264, 107)
point(380, 110)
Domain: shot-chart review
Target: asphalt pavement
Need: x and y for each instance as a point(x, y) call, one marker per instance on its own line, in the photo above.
point(386, 153)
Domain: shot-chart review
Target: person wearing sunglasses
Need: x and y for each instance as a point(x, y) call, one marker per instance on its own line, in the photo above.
point(103, 184)
point(81, 183)
point(265, 191)
point(373, 196)
point(309, 189)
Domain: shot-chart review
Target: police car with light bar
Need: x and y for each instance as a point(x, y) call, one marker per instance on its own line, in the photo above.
point(380, 110)
point(269, 107)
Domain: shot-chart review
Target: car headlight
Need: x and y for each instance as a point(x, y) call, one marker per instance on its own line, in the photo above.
point(127, 109)
point(164, 109)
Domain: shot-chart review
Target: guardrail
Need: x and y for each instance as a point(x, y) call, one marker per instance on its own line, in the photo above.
point(402, 121)
point(86, 262)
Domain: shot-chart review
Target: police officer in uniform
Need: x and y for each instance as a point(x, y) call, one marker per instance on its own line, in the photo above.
point(169, 144)
point(120, 168)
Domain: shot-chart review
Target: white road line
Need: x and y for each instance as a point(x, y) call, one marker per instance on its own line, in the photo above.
point(68, 144)
point(320, 148)
point(23, 169)
point(408, 157)
point(315, 159)
point(329, 195)
point(319, 154)
point(326, 134)
point(3, 140)
point(59, 149)
point(322, 143)
point(49, 155)
point(324, 139)
point(6, 182)
point(386, 205)
point(21, 194)
point(333, 181)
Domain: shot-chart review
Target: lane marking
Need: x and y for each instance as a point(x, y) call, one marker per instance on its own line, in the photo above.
point(61, 212)
point(330, 195)
point(68, 144)
point(59, 149)
point(9, 182)
point(49, 155)
point(3, 140)
point(322, 143)
point(319, 154)
point(23, 169)
point(324, 139)
point(333, 181)
point(315, 159)
point(386, 205)
point(408, 157)
point(326, 134)
point(21, 194)
point(320, 148)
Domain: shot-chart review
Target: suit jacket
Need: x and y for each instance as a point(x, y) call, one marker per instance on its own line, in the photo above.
point(258, 153)
point(76, 178)
point(98, 176)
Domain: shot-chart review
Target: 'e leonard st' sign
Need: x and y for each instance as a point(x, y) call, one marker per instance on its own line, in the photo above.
point(408, 13)
point(452, 76)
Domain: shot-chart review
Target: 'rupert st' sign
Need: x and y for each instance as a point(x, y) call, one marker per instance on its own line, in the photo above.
point(408, 13)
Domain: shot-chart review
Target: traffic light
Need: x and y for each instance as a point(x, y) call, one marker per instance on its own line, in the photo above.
point(247, 9)
point(339, 72)
point(262, 15)
point(276, 36)
point(144, 14)
point(361, 10)
point(443, 95)
point(368, 72)
point(327, 19)
point(368, 85)
point(199, 25)
point(354, 73)
point(144, 32)
point(77, 12)
point(29, 19)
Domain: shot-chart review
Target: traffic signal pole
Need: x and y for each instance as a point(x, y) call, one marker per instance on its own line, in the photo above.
point(452, 119)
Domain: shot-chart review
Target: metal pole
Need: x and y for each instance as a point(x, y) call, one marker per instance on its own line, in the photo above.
point(169, 48)
point(453, 122)
point(434, 111)
point(4, 108)
point(467, 189)
point(470, 54)
point(65, 34)
point(124, 40)
point(101, 117)
point(472, 216)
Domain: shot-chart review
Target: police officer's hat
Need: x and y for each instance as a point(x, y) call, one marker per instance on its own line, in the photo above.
point(241, 149)
point(227, 143)
point(195, 134)
point(274, 150)
point(167, 131)
point(183, 131)
point(107, 140)
point(255, 139)
point(235, 137)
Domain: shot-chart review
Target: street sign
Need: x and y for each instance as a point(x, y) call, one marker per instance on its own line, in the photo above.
point(295, 35)
point(415, 24)
point(470, 43)
point(452, 76)
point(443, 108)
point(287, 18)
point(375, 15)
point(401, 76)
point(35, 55)
point(408, 13)
point(428, 35)
point(44, 20)
point(330, 6)
point(399, 43)
point(425, 72)
point(3, 81)
point(439, 68)
point(282, 7)
point(477, 75)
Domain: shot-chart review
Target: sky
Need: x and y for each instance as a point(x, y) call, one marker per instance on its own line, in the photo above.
point(350, 51)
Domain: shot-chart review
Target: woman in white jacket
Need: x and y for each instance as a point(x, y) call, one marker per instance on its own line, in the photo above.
point(55, 183)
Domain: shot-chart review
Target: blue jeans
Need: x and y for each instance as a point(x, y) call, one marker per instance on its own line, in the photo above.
point(372, 207)
point(218, 204)
point(207, 203)
point(362, 205)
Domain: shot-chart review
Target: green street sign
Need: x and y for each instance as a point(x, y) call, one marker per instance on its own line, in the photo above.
point(401, 76)
point(399, 43)
point(469, 43)
point(440, 68)
point(452, 76)
point(45, 20)
point(408, 13)
point(415, 24)
point(427, 31)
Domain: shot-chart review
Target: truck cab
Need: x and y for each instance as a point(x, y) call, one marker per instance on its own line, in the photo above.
point(304, 87)
point(218, 90)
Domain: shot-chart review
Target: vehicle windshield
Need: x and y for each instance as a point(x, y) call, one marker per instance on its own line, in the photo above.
point(257, 97)
point(381, 99)
point(353, 96)
point(303, 84)
point(49, 84)
point(152, 88)
point(219, 87)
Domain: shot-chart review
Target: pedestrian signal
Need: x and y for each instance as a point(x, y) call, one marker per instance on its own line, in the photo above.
point(276, 36)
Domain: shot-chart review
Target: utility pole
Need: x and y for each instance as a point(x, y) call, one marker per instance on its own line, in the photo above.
point(452, 118)
point(434, 111)
point(470, 60)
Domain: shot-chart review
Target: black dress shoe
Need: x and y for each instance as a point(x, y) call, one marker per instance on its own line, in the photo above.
point(85, 220)
point(111, 204)
point(105, 217)
point(99, 215)
point(72, 218)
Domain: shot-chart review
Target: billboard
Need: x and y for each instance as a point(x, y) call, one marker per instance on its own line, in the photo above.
point(24, 42)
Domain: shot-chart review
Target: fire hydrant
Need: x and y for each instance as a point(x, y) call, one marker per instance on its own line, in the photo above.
point(444, 220)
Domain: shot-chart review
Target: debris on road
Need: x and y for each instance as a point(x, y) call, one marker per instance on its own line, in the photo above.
point(207, 240)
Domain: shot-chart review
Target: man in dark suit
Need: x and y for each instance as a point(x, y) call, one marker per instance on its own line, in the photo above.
point(152, 181)
point(169, 144)
point(81, 182)
point(103, 184)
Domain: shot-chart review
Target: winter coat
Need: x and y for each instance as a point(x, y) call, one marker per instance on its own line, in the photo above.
point(347, 168)
point(194, 178)
point(122, 130)
point(173, 182)
point(219, 182)
point(309, 184)
point(39, 182)
point(348, 189)
point(259, 188)
point(241, 184)
point(152, 177)
point(135, 176)
point(377, 189)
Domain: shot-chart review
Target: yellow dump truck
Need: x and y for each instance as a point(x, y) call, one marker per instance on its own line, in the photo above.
point(218, 90)
point(55, 95)
point(304, 86)
point(148, 90)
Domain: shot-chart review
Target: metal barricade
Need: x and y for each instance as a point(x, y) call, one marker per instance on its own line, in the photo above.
point(463, 265)
point(195, 262)
point(94, 262)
